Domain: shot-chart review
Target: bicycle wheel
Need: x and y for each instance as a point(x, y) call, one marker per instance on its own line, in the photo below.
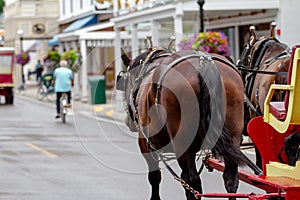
point(41, 92)
point(51, 95)
point(63, 109)
point(63, 117)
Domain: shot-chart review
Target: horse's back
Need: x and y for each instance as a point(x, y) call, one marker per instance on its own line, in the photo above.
point(182, 91)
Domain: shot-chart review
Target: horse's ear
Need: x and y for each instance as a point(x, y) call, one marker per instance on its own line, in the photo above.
point(126, 60)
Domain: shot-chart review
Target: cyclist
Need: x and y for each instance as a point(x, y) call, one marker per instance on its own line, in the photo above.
point(63, 81)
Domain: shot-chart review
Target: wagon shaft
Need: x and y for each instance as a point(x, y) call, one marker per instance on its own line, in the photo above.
point(275, 186)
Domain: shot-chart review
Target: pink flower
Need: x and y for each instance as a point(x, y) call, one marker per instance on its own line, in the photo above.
point(211, 42)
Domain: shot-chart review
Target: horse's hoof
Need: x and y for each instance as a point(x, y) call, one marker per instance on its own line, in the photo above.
point(155, 198)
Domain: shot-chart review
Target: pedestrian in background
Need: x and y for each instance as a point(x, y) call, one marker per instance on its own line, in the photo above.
point(39, 69)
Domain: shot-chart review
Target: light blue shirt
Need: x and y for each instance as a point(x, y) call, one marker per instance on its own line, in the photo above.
point(63, 77)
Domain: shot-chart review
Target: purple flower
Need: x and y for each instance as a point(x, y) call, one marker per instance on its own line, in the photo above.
point(212, 42)
point(23, 58)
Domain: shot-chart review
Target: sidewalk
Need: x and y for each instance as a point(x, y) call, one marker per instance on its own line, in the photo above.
point(111, 110)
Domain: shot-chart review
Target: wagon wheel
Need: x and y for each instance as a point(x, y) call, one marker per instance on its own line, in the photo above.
point(9, 99)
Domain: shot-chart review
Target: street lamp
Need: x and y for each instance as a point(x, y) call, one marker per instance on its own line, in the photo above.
point(201, 3)
point(20, 34)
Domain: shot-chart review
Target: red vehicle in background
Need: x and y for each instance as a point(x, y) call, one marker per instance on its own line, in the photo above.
point(7, 60)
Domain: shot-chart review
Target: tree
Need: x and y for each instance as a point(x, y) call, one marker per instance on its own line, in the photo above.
point(2, 4)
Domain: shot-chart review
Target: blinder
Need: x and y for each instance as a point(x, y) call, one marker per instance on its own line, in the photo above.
point(120, 84)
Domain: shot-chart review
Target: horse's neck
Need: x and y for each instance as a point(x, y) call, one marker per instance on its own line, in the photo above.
point(257, 51)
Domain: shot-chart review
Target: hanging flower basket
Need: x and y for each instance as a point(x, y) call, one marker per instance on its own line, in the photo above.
point(52, 59)
point(23, 58)
point(53, 56)
point(211, 42)
point(70, 56)
point(73, 59)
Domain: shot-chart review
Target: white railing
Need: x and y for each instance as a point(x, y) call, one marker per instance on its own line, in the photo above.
point(126, 6)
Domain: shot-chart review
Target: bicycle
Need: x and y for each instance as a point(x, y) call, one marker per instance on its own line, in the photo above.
point(46, 89)
point(63, 106)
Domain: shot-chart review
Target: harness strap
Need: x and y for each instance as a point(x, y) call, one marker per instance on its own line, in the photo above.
point(243, 68)
point(142, 74)
point(250, 104)
point(171, 65)
point(283, 54)
point(220, 59)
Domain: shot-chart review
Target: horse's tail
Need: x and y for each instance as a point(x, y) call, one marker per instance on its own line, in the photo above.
point(212, 103)
point(231, 154)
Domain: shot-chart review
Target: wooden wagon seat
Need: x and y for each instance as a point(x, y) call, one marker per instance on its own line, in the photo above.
point(280, 109)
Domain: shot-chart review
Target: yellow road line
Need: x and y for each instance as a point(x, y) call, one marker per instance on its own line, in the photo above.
point(98, 108)
point(109, 113)
point(43, 151)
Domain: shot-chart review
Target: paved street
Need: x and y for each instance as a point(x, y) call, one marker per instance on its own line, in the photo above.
point(86, 158)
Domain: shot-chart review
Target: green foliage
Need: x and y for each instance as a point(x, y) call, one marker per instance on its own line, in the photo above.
point(2, 4)
point(73, 59)
point(54, 56)
point(70, 56)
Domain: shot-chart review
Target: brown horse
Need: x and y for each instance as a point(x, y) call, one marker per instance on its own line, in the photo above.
point(182, 102)
point(266, 62)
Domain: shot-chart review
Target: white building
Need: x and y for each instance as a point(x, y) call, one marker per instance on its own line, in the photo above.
point(38, 21)
point(125, 23)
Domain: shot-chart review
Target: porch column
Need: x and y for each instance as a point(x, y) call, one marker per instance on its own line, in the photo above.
point(178, 24)
point(155, 33)
point(115, 7)
point(133, 5)
point(68, 47)
point(134, 41)
point(236, 43)
point(84, 78)
point(118, 68)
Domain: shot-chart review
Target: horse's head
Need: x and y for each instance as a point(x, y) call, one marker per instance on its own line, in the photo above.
point(127, 81)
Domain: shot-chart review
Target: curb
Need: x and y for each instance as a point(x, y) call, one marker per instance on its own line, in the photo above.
point(105, 111)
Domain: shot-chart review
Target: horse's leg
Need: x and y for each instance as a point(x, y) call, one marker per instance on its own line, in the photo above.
point(189, 174)
point(154, 174)
point(231, 177)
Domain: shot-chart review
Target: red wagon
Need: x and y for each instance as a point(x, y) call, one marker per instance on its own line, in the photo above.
point(270, 134)
point(7, 55)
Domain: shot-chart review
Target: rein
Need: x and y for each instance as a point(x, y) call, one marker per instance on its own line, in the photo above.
point(246, 69)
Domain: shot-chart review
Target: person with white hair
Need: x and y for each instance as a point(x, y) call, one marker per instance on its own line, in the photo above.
point(63, 81)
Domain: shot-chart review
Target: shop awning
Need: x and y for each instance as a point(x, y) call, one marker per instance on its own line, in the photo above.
point(81, 23)
point(53, 42)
